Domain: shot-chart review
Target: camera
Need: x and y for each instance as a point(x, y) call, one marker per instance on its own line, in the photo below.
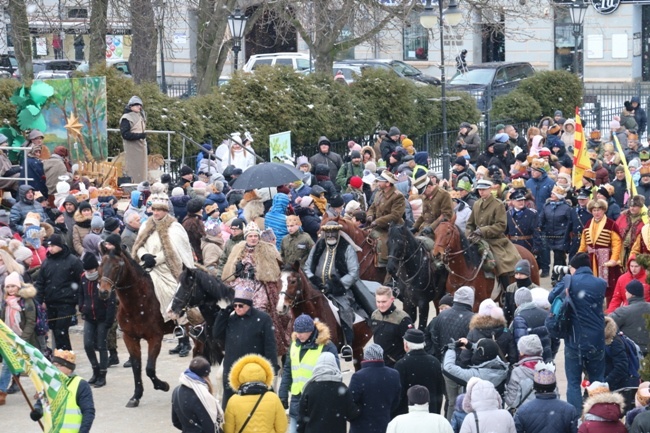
point(459, 344)
point(561, 269)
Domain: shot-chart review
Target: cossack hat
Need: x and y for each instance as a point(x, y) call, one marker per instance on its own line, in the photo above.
point(244, 295)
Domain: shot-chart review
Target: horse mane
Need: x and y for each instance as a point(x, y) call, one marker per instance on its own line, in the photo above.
point(471, 253)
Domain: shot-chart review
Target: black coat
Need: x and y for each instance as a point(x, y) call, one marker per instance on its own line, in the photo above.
point(388, 330)
point(579, 218)
point(188, 413)
point(449, 325)
point(310, 221)
point(375, 390)
point(487, 327)
point(555, 224)
point(524, 223)
point(92, 307)
point(641, 423)
point(59, 279)
point(419, 368)
point(325, 407)
point(387, 147)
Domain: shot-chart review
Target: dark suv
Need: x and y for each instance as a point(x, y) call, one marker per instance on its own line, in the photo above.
point(486, 81)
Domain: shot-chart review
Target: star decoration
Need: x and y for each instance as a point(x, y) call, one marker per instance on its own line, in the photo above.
point(73, 126)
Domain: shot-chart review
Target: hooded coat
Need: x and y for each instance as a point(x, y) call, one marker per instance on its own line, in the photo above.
point(619, 298)
point(28, 314)
point(616, 359)
point(568, 137)
point(22, 207)
point(276, 218)
point(482, 326)
point(59, 279)
point(602, 414)
point(212, 250)
point(332, 160)
point(471, 143)
point(483, 406)
point(134, 140)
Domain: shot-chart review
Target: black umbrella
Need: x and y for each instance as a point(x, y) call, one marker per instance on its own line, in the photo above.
point(267, 175)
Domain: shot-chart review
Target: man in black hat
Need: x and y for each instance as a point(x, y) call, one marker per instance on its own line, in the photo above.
point(417, 367)
point(335, 207)
point(57, 285)
point(333, 267)
point(186, 179)
point(353, 168)
point(579, 217)
point(390, 142)
point(236, 236)
point(460, 170)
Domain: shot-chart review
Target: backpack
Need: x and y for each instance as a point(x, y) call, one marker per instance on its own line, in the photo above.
point(634, 355)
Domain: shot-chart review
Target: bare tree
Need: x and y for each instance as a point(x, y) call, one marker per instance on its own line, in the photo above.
point(142, 60)
point(20, 34)
point(98, 24)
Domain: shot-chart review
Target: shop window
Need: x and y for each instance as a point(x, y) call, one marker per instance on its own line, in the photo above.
point(565, 45)
point(78, 13)
point(416, 39)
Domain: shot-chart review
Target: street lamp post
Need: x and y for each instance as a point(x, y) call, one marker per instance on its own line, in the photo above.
point(161, 31)
point(428, 20)
point(577, 10)
point(237, 24)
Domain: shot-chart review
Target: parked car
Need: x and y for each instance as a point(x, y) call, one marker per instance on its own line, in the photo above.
point(485, 81)
point(121, 65)
point(297, 61)
point(51, 75)
point(402, 69)
point(8, 63)
point(50, 65)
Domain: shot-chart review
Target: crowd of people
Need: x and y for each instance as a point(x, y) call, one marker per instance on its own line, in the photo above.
point(466, 372)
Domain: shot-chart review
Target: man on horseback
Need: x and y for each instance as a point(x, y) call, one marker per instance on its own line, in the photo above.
point(388, 207)
point(163, 247)
point(333, 267)
point(436, 203)
point(488, 222)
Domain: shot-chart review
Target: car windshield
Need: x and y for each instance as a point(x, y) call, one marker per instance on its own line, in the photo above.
point(481, 77)
point(405, 69)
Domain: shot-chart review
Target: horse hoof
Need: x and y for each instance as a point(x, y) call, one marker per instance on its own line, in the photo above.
point(133, 403)
point(163, 386)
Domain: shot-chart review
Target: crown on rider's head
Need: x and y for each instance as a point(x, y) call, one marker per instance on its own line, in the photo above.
point(244, 295)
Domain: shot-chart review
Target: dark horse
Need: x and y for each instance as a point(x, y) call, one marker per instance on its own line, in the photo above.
point(200, 289)
point(301, 297)
point(417, 278)
point(464, 262)
point(138, 315)
point(367, 269)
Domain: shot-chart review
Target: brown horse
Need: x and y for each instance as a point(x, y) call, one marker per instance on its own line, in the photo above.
point(138, 315)
point(300, 297)
point(463, 261)
point(367, 269)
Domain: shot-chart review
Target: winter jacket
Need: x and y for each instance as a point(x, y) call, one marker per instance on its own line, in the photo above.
point(27, 293)
point(332, 160)
point(22, 207)
point(375, 390)
point(387, 147)
point(619, 298)
point(303, 191)
point(533, 417)
point(555, 224)
point(640, 116)
point(530, 319)
point(519, 388)
point(579, 218)
point(631, 321)
point(276, 218)
point(567, 140)
point(494, 371)
point(296, 247)
point(36, 171)
point(482, 403)
point(419, 368)
point(602, 414)
point(484, 158)
point(489, 327)
point(52, 169)
point(188, 413)
point(587, 321)
point(79, 231)
point(58, 280)
point(346, 171)
point(128, 237)
point(448, 326)
point(388, 330)
point(541, 189)
point(218, 198)
point(325, 407)
point(471, 143)
point(616, 359)
point(310, 221)
point(92, 307)
point(180, 206)
point(212, 250)
point(613, 209)
point(419, 420)
point(641, 423)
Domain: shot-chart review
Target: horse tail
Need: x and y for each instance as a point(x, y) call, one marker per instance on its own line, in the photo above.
point(212, 351)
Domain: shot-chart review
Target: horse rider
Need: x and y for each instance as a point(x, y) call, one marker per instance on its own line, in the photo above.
point(387, 207)
point(436, 203)
point(333, 267)
point(488, 222)
point(163, 247)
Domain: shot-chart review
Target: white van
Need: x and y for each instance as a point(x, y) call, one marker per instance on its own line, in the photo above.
point(297, 61)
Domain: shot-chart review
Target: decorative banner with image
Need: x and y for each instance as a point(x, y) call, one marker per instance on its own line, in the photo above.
point(280, 146)
point(114, 46)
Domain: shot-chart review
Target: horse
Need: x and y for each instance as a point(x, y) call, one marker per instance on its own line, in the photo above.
point(367, 269)
point(200, 289)
point(299, 296)
point(450, 243)
point(419, 281)
point(138, 315)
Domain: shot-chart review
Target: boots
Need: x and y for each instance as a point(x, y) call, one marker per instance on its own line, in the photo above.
point(101, 379)
point(3, 398)
point(185, 346)
point(113, 359)
point(127, 364)
point(176, 350)
point(13, 388)
point(94, 377)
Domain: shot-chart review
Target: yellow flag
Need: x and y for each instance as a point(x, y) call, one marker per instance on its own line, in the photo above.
point(631, 187)
point(581, 160)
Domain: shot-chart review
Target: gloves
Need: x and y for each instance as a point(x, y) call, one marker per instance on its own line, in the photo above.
point(413, 230)
point(36, 414)
point(142, 136)
point(427, 231)
point(476, 234)
point(315, 281)
point(148, 260)
point(239, 269)
point(285, 403)
point(334, 286)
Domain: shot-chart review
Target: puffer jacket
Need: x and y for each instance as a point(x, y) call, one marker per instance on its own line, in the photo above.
point(28, 314)
point(541, 189)
point(616, 359)
point(530, 319)
point(568, 138)
point(310, 221)
point(450, 325)
point(494, 371)
point(482, 402)
point(489, 327)
point(276, 218)
point(602, 414)
point(180, 207)
point(20, 210)
point(533, 417)
point(519, 388)
point(58, 280)
point(555, 224)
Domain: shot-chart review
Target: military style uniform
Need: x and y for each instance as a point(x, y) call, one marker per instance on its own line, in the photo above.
point(579, 217)
point(386, 208)
point(296, 247)
point(523, 229)
point(437, 204)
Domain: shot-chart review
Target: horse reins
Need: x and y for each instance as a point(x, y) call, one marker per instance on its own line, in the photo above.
point(403, 262)
point(293, 298)
point(114, 283)
point(463, 251)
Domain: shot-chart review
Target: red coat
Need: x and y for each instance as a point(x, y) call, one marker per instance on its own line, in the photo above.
point(609, 408)
point(619, 298)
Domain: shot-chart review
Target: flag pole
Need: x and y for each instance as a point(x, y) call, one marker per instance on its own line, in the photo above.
point(16, 378)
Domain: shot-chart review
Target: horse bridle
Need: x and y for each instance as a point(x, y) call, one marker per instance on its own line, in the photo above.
point(294, 298)
point(448, 254)
point(403, 262)
point(114, 283)
point(189, 297)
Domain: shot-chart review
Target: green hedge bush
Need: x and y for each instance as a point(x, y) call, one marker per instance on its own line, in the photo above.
point(554, 90)
point(516, 106)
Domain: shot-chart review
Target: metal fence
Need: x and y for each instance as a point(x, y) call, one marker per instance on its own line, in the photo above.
point(182, 90)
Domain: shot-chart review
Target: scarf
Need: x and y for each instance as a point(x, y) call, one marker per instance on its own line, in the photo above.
point(526, 282)
point(12, 313)
point(200, 388)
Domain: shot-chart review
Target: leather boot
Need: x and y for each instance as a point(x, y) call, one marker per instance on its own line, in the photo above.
point(127, 364)
point(3, 398)
point(13, 388)
point(176, 350)
point(101, 379)
point(185, 346)
point(95, 376)
point(113, 359)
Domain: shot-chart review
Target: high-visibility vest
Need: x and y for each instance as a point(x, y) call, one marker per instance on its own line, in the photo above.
point(418, 168)
point(72, 418)
point(302, 370)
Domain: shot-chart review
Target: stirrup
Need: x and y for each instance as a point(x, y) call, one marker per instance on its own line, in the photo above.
point(196, 331)
point(346, 353)
point(179, 331)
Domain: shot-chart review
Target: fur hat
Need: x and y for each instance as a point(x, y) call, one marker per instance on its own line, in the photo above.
point(66, 358)
point(598, 203)
point(464, 295)
point(530, 345)
point(251, 227)
point(159, 201)
point(539, 164)
point(589, 174)
point(523, 296)
point(489, 308)
point(303, 323)
point(596, 388)
point(418, 394)
point(373, 352)
point(19, 251)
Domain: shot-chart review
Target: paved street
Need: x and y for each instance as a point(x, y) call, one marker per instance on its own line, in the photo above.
point(154, 413)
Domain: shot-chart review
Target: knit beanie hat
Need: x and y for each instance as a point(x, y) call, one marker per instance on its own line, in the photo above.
point(13, 279)
point(237, 223)
point(97, 223)
point(22, 253)
point(195, 205)
point(580, 260)
point(418, 394)
point(464, 295)
point(635, 288)
point(489, 308)
point(303, 323)
point(523, 267)
point(89, 261)
point(177, 192)
point(356, 182)
point(111, 224)
point(414, 336)
point(523, 296)
point(33, 236)
point(373, 352)
point(306, 201)
point(530, 345)
point(448, 299)
point(485, 350)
